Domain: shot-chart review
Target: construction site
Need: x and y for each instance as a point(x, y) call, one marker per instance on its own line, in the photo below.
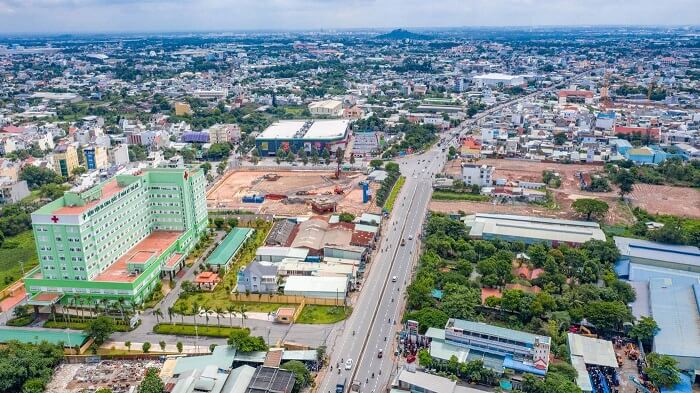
point(121, 376)
point(293, 192)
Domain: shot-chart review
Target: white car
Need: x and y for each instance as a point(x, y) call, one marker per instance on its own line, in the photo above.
point(393, 279)
point(348, 364)
point(410, 237)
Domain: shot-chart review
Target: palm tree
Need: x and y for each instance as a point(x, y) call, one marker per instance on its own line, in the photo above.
point(76, 301)
point(157, 314)
point(171, 312)
point(243, 309)
point(230, 308)
point(182, 311)
point(206, 316)
point(120, 304)
point(195, 309)
point(218, 311)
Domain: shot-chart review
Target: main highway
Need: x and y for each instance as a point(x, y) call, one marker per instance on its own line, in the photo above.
point(375, 321)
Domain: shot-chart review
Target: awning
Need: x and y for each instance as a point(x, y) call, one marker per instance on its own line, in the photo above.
point(45, 299)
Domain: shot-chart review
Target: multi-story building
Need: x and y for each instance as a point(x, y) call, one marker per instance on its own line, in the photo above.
point(119, 155)
point(65, 159)
point(498, 347)
point(96, 157)
point(12, 191)
point(224, 133)
point(326, 108)
point(115, 240)
point(481, 175)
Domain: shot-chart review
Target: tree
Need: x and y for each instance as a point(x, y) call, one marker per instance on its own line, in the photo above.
point(127, 344)
point(347, 217)
point(244, 342)
point(314, 156)
point(103, 390)
point(662, 370)
point(607, 315)
point(625, 181)
point(645, 330)
point(52, 191)
point(428, 317)
point(221, 168)
point(151, 382)
point(303, 157)
point(279, 156)
point(145, 347)
point(162, 345)
point(255, 156)
point(78, 170)
point(302, 375)
point(460, 301)
point(100, 328)
point(339, 156)
point(219, 223)
point(590, 207)
point(37, 177)
point(376, 164)
point(218, 151)
point(326, 156)
point(27, 367)
point(424, 358)
point(178, 345)
point(206, 167)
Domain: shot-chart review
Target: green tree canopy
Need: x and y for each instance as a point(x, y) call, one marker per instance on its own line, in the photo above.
point(100, 328)
point(590, 207)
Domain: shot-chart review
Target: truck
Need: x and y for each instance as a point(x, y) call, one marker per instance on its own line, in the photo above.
point(355, 387)
point(340, 386)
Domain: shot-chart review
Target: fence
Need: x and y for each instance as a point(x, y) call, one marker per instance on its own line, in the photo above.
point(77, 359)
point(287, 299)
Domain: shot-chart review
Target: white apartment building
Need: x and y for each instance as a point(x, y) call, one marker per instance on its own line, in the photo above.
point(481, 175)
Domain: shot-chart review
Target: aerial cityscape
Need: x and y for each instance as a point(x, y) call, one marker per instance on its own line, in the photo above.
point(306, 200)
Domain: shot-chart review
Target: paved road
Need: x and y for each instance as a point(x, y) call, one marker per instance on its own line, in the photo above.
point(373, 325)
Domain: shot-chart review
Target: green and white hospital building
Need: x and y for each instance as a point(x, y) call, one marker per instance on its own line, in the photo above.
point(115, 240)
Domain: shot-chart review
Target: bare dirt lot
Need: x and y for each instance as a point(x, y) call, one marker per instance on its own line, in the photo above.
point(228, 193)
point(118, 375)
point(677, 201)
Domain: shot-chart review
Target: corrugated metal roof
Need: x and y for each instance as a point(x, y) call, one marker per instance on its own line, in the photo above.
point(229, 246)
point(675, 309)
point(496, 331)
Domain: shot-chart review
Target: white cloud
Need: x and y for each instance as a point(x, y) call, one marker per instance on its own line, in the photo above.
point(183, 15)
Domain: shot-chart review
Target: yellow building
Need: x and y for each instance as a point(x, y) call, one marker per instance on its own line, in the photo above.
point(182, 109)
point(65, 159)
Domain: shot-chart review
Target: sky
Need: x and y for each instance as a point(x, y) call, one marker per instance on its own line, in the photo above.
point(85, 16)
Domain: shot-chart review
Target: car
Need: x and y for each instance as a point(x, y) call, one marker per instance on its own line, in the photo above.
point(410, 237)
point(393, 279)
point(380, 354)
point(348, 364)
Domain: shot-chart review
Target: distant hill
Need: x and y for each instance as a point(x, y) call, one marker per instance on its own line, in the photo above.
point(401, 34)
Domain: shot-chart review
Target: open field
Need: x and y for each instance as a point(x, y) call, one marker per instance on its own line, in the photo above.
point(15, 251)
point(679, 201)
point(230, 190)
point(676, 201)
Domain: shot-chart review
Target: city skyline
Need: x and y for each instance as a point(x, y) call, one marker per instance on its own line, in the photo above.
point(98, 16)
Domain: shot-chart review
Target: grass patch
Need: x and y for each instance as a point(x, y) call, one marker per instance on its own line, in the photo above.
point(14, 251)
point(189, 330)
point(220, 296)
point(313, 314)
point(394, 193)
point(21, 321)
point(443, 195)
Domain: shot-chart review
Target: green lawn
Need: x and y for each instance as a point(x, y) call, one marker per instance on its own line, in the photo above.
point(459, 196)
point(15, 251)
point(313, 314)
point(394, 193)
point(221, 300)
point(202, 330)
point(219, 297)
